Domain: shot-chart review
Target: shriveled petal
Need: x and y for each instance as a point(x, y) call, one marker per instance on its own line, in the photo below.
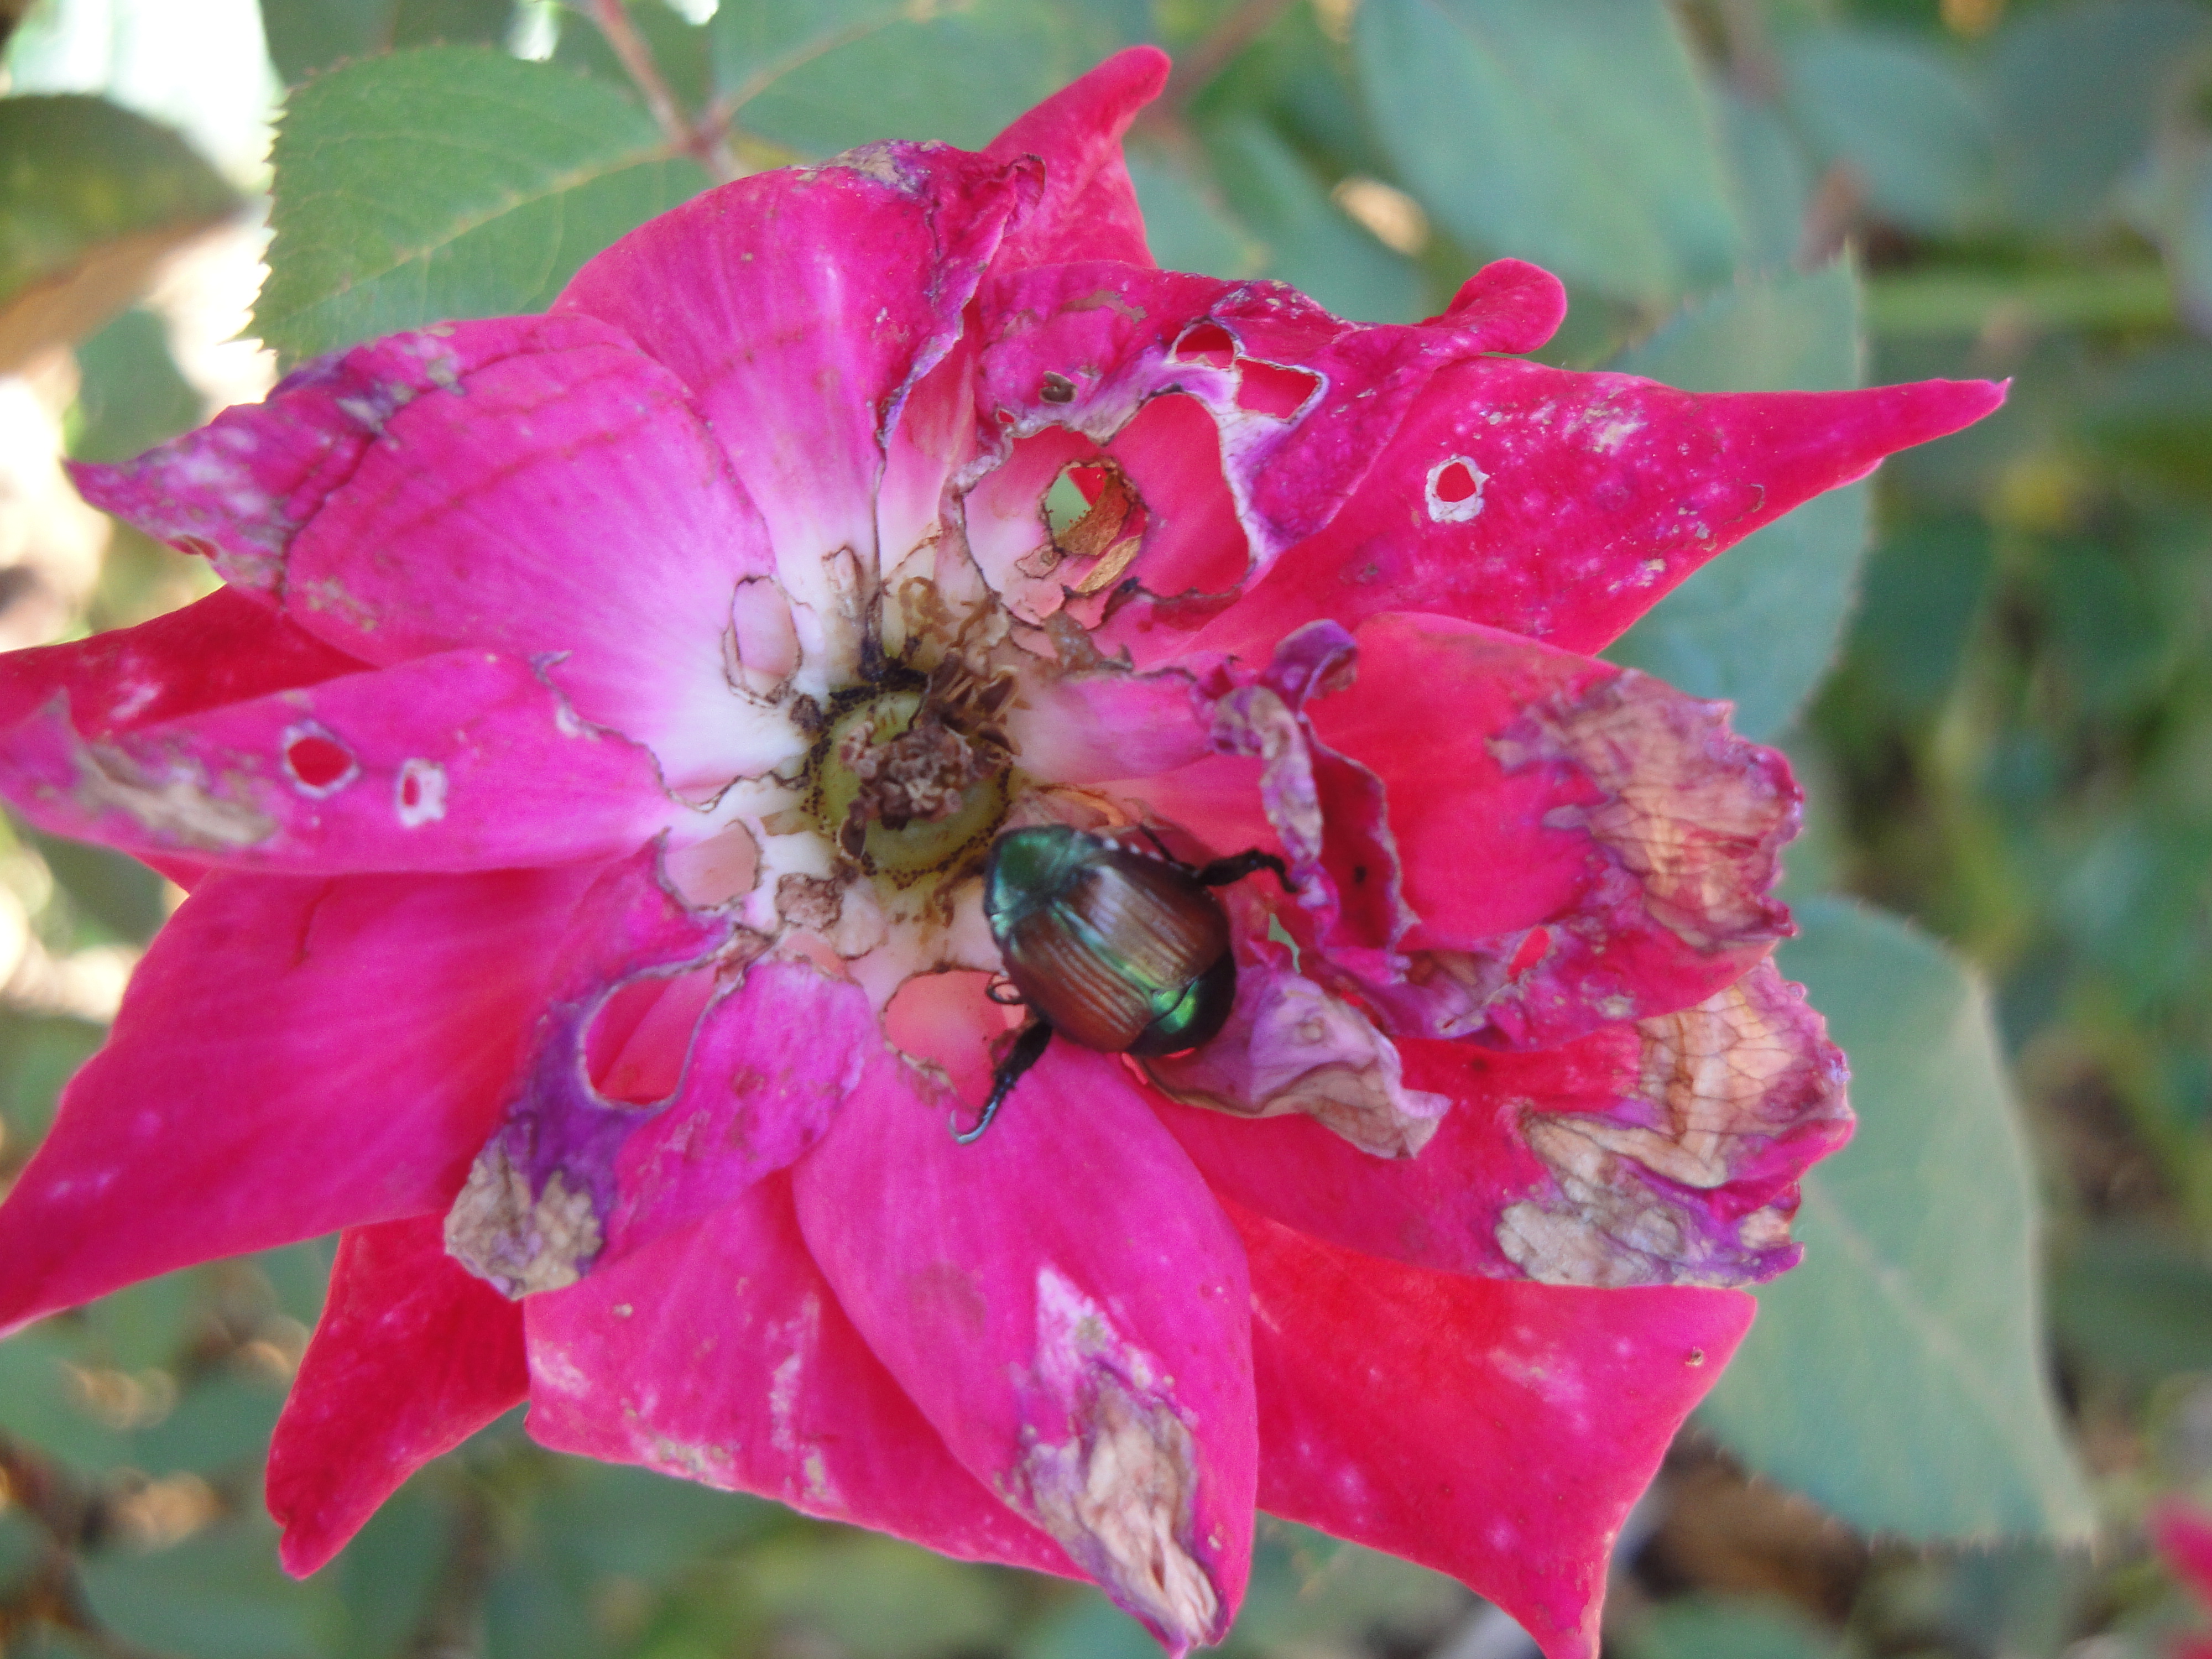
point(1497, 1432)
point(719, 1353)
point(464, 761)
point(410, 1358)
point(1581, 843)
point(1667, 1151)
point(535, 1212)
point(1065, 1302)
point(1290, 1046)
point(293, 1056)
point(224, 648)
point(801, 306)
point(1088, 209)
point(1564, 505)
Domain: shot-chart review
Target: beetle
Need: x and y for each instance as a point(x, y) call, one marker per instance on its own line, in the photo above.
point(1110, 947)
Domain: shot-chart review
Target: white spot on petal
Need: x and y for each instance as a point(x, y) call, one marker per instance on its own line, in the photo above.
point(1455, 490)
point(419, 795)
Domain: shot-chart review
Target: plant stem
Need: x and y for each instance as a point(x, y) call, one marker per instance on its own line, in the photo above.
point(700, 143)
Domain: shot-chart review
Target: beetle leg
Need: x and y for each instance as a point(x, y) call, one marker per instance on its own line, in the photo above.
point(1222, 872)
point(1159, 846)
point(1001, 991)
point(1028, 1049)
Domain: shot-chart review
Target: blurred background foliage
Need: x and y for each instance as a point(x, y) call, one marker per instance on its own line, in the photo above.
point(1988, 664)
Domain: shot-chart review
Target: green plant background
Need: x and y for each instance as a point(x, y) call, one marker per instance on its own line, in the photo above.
point(1988, 664)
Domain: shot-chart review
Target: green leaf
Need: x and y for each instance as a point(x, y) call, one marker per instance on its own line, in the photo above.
point(752, 42)
point(1923, 592)
point(308, 35)
point(2135, 1303)
point(1908, 125)
point(129, 394)
point(1897, 1376)
point(91, 198)
point(959, 75)
point(680, 50)
point(2075, 95)
point(450, 23)
point(1700, 1627)
point(1574, 136)
point(451, 181)
point(1309, 241)
point(1187, 223)
point(1760, 624)
point(219, 1594)
point(38, 1055)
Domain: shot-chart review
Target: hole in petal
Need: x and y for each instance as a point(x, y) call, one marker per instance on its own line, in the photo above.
point(1455, 490)
point(635, 1046)
point(1270, 389)
point(318, 761)
point(1531, 951)
point(1207, 342)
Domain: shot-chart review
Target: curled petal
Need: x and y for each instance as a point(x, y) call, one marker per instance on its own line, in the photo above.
point(225, 649)
point(411, 1357)
point(1088, 209)
point(464, 761)
point(1515, 305)
point(1090, 1361)
point(1581, 843)
point(1667, 1151)
point(1290, 1046)
point(801, 307)
point(1496, 1432)
point(1563, 505)
point(719, 1353)
point(293, 1056)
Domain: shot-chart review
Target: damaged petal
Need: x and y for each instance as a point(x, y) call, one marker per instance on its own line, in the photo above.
point(1696, 814)
point(1693, 1181)
point(1119, 1492)
point(518, 1242)
point(1290, 1046)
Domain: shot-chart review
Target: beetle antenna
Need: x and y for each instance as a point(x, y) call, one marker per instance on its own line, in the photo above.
point(1159, 846)
point(1028, 1049)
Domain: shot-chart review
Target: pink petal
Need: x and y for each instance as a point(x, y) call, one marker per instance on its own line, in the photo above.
point(1088, 208)
point(773, 1060)
point(1564, 505)
point(1497, 1432)
point(534, 1213)
point(1516, 305)
point(224, 648)
point(566, 502)
point(1090, 725)
point(457, 762)
point(801, 306)
point(719, 1354)
point(1663, 1152)
point(293, 1056)
point(1064, 1303)
point(410, 1358)
point(1164, 371)
point(240, 489)
point(531, 485)
point(1530, 789)
point(2184, 1536)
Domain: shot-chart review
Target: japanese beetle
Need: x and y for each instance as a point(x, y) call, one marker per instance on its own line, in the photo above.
point(1112, 948)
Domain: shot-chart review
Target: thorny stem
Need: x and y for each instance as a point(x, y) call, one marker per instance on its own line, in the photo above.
point(698, 140)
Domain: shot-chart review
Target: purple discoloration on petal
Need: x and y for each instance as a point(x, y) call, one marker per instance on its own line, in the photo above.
point(535, 1213)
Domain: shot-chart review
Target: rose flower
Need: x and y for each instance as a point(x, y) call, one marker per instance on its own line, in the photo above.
point(586, 782)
